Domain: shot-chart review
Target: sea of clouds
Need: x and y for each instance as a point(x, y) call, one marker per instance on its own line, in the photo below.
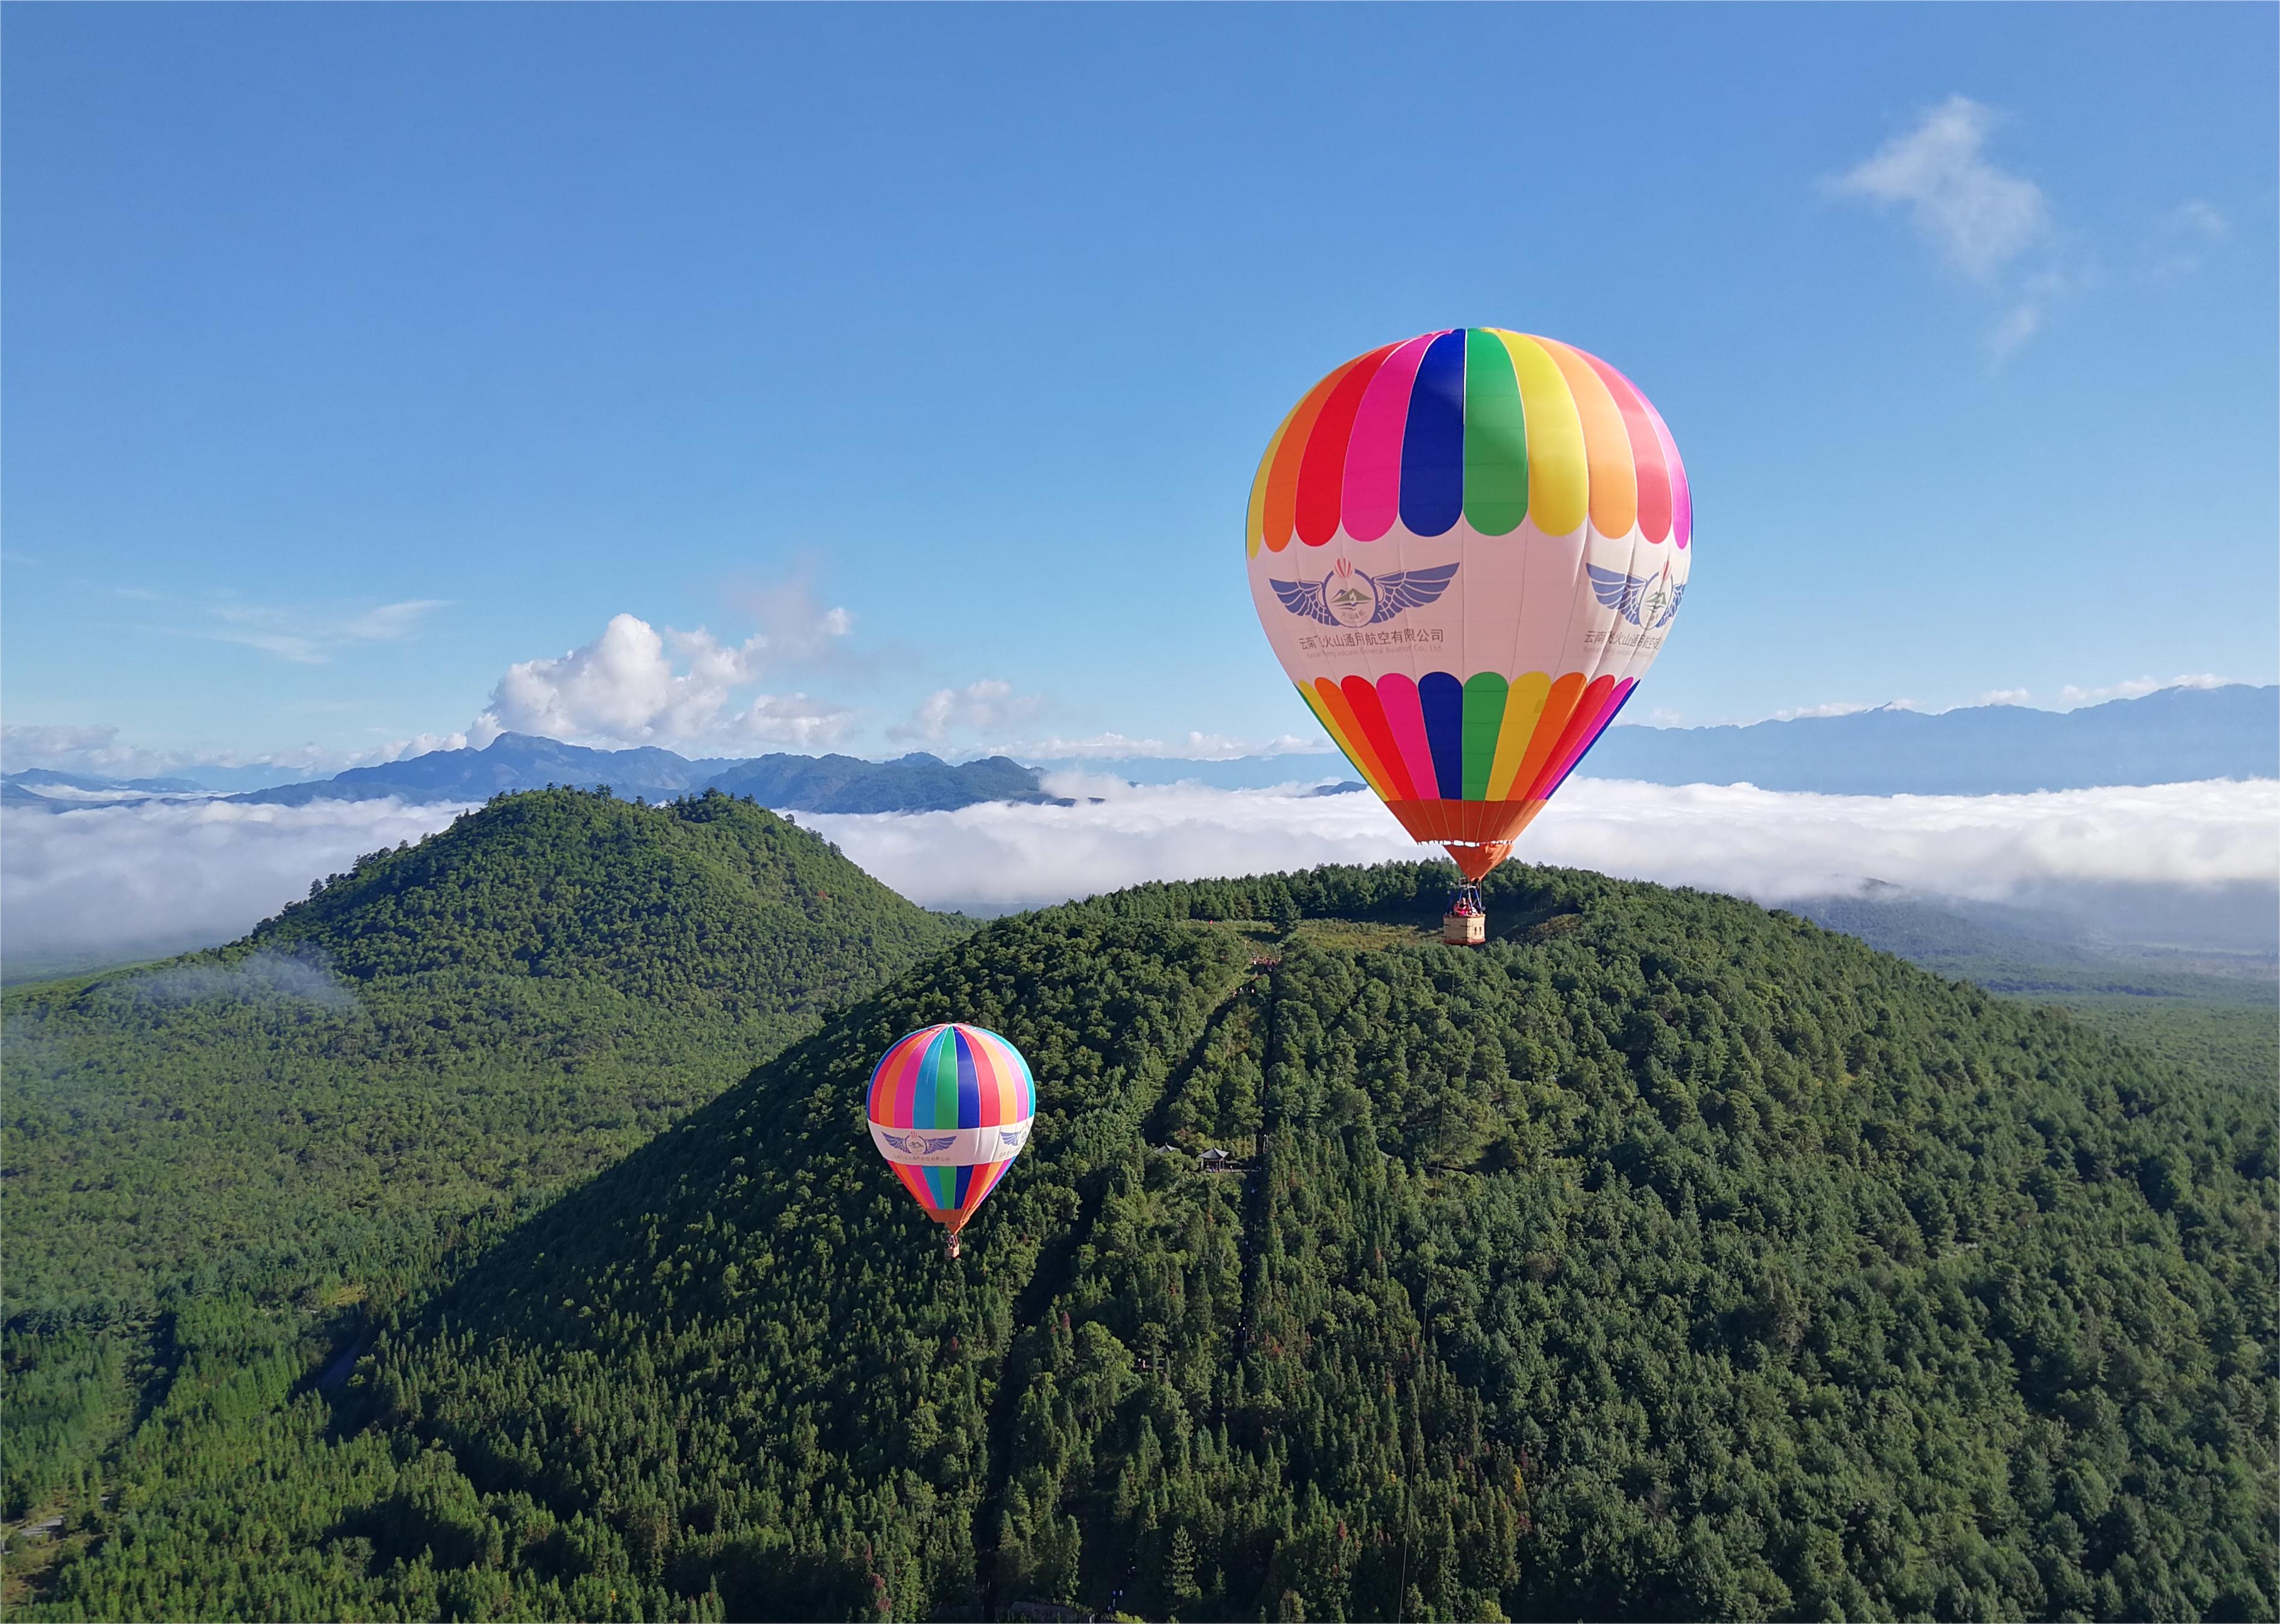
point(103, 885)
point(114, 883)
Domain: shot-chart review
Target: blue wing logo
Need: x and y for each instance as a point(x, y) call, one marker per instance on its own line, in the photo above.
point(1348, 596)
point(919, 1144)
point(1009, 1139)
point(1647, 602)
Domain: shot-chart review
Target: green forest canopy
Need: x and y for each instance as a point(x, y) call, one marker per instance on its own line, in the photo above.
point(315, 1112)
point(1667, 1258)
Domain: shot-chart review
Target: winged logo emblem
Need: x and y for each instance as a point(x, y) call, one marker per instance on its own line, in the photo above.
point(1009, 1139)
point(920, 1144)
point(1647, 602)
point(1349, 597)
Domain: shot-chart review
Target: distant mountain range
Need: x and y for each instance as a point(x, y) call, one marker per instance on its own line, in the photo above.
point(915, 782)
point(2175, 735)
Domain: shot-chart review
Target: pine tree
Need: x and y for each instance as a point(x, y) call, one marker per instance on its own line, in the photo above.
point(1179, 1570)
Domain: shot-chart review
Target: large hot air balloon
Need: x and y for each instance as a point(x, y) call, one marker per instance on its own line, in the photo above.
point(1467, 548)
point(951, 1107)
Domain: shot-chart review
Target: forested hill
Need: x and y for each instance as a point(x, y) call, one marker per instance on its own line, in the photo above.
point(508, 1003)
point(1665, 1258)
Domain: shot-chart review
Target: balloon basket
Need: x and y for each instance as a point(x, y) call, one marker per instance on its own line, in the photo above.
point(950, 1244)
point(1465, 924)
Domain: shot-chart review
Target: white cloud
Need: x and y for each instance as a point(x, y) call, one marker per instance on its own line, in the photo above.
point(95, 751)
point(1978, 217)
point(788, 718)
point(2196, 218)
point(418, 744)
point(259, 975)
point(117, 884)
point(1660, 716)
point(1770, 845)
point(1834, 707)
point(2005, 696)
point(636, 685)
point(1982, 220)
point(1194, 747)
point(93, 748)
point(390, 622)
point(798, 630)
point(2181, 246)
point(2134, 688)
point(976, 708)
point(2016, 326)
point(310, 637)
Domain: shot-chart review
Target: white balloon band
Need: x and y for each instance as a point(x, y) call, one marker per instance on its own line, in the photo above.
point(950, 1147)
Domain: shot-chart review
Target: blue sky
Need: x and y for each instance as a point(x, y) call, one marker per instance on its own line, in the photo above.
point(355, 356)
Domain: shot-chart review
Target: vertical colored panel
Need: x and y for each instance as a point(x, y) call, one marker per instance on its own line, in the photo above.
point(880, 1099)
point(1322, 470)
point(1606, 443)
point(943, 1183)
point(1254, 528)
point(969, 1083)
point(986, 1178)
point(1558, 471)
point(1646, 451)
point(1433, 440)
point(1551, 723)
point(1521, 707)
point(1369, 711)
point(1622, 698)
point(992, 1080)
point(1484, 697)
point(908, 1105)
point(1281, 516)
point(1682, 494)
point(1365, 755)
point(1496, 437)
point(1017, 1092)
point(1373, 491)
point(1591, 708)
point(1405, 718)
point(906, 1082)
point(1441, 699)
point(914, 1181)
point(938, 1093)
point(1328, 704)
point(963, 1183)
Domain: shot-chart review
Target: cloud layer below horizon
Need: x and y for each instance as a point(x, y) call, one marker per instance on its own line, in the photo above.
point(115, 882)
point(1771, 845)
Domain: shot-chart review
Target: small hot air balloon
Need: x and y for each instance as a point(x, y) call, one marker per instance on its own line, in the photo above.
point(951, 1107)
point(1466, 549)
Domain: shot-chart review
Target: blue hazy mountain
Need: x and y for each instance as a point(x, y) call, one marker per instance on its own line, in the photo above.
point(37, 779)
point(916, 783)
point(2172, 736)
point(512, 761)
point(2175, 735)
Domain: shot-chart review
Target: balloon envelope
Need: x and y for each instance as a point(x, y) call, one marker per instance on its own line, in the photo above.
point(1466, 549)
point(951, 1107)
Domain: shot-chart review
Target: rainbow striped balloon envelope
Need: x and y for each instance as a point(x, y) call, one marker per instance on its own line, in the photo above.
point(1467, 548)
point(951, 1107)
